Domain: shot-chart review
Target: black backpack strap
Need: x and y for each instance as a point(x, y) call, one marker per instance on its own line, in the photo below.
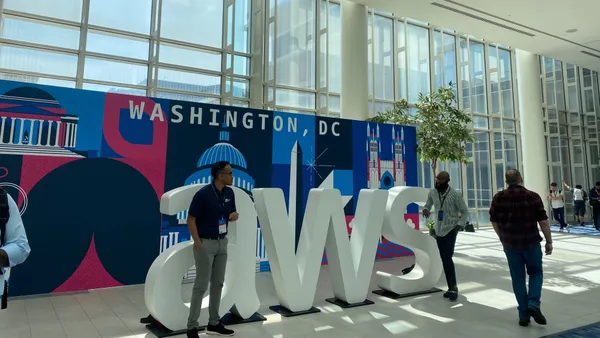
point(4, 300)
point(4, 214)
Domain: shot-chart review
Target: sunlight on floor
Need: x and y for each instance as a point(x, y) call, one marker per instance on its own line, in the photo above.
point(411, 309)
point(399, 326)
point(494, 298)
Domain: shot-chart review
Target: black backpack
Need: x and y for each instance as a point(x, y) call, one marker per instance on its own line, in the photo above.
point(4, 216)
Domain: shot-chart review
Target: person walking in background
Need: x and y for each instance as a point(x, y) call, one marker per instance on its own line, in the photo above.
point(557, 200)
point(595, 204)
point(579, 197)
point(212, 208)
point(515, 214)
point(451, 214)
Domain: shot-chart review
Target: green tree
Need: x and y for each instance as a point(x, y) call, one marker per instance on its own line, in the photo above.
point(442, 128)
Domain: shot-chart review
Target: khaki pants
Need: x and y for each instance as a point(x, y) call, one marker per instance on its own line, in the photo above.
point(211, 261)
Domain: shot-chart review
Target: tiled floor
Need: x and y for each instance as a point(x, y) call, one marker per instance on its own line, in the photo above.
point(486, 307)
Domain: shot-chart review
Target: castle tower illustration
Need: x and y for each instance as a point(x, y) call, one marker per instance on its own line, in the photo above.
point(385, 174)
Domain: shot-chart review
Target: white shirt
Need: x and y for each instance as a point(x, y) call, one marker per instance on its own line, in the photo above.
point(557, 203)
point(577, 194)
point(16, 244)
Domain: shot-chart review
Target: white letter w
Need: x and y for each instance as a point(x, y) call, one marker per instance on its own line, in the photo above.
point(135, 111)
point(324, 227)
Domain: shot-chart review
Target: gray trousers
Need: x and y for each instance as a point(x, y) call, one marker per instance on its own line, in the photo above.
point(211, 261)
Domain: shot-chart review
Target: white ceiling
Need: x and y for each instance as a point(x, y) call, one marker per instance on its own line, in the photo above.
point(547, 20)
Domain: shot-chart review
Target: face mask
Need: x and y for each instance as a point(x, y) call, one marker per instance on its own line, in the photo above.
point(441, 186)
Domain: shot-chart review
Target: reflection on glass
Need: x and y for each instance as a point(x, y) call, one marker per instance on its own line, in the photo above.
point(418, 61)
point(199, 22)
point(114, 89)
point(29, 30)
point(130, 15)
point(477, 84)
point(189, 57)
point(484, 174)
point(37, 80)
point(383, 46)
point(480, 122)
point(241, 26)
point(37, 61)
point(296, 44)
point(187, 97)
point(111, 44)
point(189, 82)
point(116, 72)
point(61, 9)
point(295, 99)
point(334, 29)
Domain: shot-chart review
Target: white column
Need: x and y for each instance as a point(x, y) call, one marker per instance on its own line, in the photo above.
point(2, 130)
point(57, 133)
point(74, 142)
point(12, 130)
point(355, 84)
point(49, 133)
point(38, 141)
point(533, 143)
point(21, 124)
point(67, 135)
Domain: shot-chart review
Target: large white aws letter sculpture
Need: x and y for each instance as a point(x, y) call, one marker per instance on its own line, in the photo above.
point(428, 266)
point(163, 282)
point(295, 275)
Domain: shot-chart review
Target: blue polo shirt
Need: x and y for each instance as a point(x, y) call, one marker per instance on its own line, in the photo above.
point(210, 205)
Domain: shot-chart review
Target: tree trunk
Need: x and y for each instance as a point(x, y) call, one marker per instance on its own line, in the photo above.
point(434, 167)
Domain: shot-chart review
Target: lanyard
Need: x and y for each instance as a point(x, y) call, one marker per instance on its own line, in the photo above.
point(442, 200)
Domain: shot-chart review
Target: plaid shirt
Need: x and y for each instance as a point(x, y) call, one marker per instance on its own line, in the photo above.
point(517, 212)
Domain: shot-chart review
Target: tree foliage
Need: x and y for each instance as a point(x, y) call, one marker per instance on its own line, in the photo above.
point(442, 128)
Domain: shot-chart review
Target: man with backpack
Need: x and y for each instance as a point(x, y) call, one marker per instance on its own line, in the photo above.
point(557, 200)
point(14, 246)
point(579, 197)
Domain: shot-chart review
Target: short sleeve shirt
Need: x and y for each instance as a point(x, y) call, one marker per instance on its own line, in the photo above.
point(210, 206)
point(517, 212)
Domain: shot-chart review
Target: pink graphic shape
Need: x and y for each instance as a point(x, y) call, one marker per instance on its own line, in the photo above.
point(149, 160)
point(112, 114)
point(90, 274)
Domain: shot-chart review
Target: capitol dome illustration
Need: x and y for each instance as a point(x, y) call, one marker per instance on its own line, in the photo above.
point(221, 151)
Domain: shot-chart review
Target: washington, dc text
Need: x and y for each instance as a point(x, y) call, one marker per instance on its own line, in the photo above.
point(232, 118)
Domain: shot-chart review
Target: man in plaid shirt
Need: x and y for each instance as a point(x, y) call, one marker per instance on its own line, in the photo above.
point(515, 214)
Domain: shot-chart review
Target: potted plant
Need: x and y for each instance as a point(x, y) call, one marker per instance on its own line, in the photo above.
point(443, 129)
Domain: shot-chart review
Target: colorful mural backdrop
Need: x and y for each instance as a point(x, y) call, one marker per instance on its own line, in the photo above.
point(88, 170)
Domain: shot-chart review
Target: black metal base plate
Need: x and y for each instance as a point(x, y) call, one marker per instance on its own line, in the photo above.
point(345, 305)
point(394, 295)
point(148, 320)
point(228, 320)
point(288, 313)
point(160, 331)
point(231, 319)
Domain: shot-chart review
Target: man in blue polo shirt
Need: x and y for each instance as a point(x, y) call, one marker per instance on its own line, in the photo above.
point(212, 208)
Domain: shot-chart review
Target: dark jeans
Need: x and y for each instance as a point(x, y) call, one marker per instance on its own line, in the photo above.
point(559, 215)
point(446, 246)
point(519, 261)
point(596, 214)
